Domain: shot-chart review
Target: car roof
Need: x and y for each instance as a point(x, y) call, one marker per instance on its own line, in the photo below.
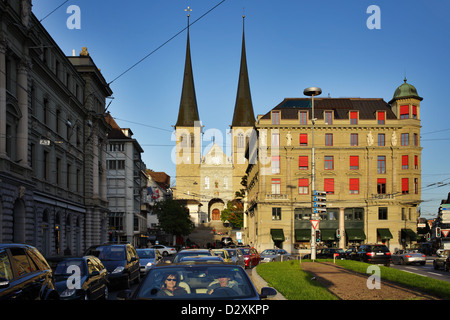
point(194, 250)
point(14, 245)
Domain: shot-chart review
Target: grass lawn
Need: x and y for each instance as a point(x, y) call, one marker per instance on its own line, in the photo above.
point(295, 284)
point(292, 282)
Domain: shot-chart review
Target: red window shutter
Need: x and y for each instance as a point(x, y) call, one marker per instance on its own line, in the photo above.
point(304, 182)
point(354, 184)
point(414, 110)
point(404, 110)
point(303, 138)
point(381, 115)
point(328, 185)
point(416, 161)
point(381, 181)
point(353, 115)
point(276, 181)
point(405, 160)
point(303, 161)
point(405, 184)
point(354, 161)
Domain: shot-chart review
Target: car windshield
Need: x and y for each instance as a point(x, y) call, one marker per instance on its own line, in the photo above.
point(245, 251)
point(197, 282)
point(219, 253)
point(269, 252)
point(146, 253)
point(66, 268)
point(191, 253)
point(378, 249)
point(108, 253)
point(232, 253)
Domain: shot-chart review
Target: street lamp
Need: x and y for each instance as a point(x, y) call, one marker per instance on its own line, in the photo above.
point(311, 92)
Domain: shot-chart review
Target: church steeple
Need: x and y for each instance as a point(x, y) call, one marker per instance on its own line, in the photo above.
point(188, 112)
point(243, 109)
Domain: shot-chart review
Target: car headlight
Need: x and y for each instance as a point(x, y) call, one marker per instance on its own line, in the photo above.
point(68, 293)
point(149, 265)
point(246, 258)
point(118, 269)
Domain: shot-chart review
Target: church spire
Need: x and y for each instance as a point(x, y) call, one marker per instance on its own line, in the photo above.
point(243, 109)
point(188, 112)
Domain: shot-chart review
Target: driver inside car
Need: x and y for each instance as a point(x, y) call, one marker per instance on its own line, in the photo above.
point(223, 285)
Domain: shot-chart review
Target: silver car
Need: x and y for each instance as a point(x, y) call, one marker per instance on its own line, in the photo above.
point(408, 257)
point(147, 259)
point(270, 255)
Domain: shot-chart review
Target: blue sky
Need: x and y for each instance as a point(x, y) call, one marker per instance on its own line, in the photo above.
point(290, 45)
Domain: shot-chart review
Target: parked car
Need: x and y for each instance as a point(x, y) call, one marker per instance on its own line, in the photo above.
point(375, 253)
point(222, 253)
point(191, 252)
point(121, 261)
point(440, 260)
point(270, 255)
point(84, 278)
point(226, 241)
point(331, 253)
point(237, 257)
point(148, 257)
point(408, 257)
point(25, 274)
point(424, 247)
point(205, 259)
point(251, 257)
point(164, 250)
point(197, 281)
point(352, 253)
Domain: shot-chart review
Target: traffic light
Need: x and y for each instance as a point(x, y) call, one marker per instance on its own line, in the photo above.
point(317, 235)
point(438, 232)
point(338, 233)
point(319, 201)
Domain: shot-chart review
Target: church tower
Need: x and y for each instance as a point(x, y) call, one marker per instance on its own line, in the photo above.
point(188, 135)
point(243, 119)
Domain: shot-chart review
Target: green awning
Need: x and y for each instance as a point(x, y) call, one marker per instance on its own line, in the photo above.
point(384, 234)
point(411, 234)
point(328, 234)
point(302, 234)
point(355, 234)
point(277, 234)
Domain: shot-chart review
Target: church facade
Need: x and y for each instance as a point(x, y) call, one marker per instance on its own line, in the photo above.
point(207, 182)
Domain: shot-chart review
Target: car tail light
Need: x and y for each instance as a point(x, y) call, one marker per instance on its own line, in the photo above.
point(388, 253)
point(370, 254)
point(408, 256)
point(423, 255)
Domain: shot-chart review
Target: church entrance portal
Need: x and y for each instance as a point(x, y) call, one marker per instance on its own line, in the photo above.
point(216, 214)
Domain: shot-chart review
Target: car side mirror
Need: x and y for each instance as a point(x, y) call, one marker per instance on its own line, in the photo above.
point(4, 283)
point(267, 292)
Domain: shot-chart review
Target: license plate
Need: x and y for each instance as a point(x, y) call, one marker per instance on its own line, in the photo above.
point(380, 254)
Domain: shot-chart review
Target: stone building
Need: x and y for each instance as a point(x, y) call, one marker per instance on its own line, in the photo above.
point(52, 139)
point(367, 160)
point(206, 182)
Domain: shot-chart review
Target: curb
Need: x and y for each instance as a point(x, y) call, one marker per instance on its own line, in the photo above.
point(260, 283)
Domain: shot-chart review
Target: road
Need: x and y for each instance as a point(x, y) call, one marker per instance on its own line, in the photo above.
point(427, 270)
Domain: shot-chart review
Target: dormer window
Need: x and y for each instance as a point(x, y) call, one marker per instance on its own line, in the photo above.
point(275, 117)
point(353, 117)
point(328, 117)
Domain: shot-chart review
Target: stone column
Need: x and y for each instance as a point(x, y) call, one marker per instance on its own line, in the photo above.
point(342, 228)
point(3, 100)
point(22, 98)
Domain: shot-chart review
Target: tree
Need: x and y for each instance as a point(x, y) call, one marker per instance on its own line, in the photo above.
point(234, 213)
point(173, 217)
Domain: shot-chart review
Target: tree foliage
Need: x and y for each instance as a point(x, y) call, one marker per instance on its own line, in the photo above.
point(173, 217)
point(234, 213)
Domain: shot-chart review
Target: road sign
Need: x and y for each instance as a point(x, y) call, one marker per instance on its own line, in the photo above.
point(445, 205)
point(319, 210)
point(320, 204)
point(44, 142)
point(315, 223)
point(445, 232)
